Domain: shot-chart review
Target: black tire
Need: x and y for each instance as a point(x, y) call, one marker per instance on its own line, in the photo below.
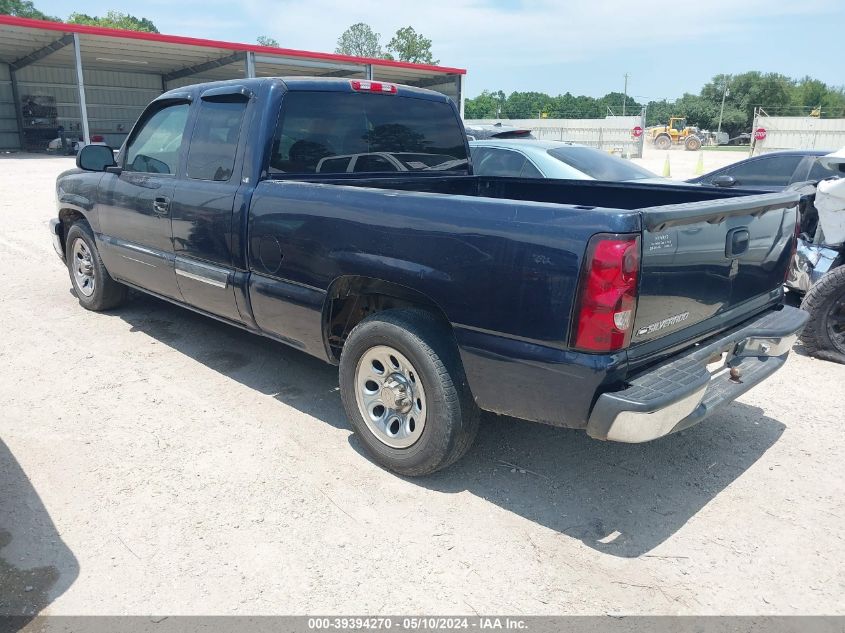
point(692, 144)
point(824, 335)
point(107, 293)
point(663, 142)
point(451, 418)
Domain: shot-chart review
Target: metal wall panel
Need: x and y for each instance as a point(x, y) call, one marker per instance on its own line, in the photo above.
point(115, 99)
point(792, 132)
point(9, 138)
point(611, 134)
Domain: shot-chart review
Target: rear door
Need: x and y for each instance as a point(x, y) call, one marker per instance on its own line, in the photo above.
point(135, 205)
point(204, 235)
point(706, 263)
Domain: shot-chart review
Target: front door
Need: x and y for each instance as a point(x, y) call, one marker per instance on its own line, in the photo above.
point(135, 206)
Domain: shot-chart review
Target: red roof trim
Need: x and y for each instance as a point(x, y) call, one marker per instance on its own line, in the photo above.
point(84, 29)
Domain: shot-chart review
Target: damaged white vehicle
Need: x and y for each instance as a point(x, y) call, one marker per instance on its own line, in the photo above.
point(817, 270)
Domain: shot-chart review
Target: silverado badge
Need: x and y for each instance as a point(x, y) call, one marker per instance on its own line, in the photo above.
point(654, 327)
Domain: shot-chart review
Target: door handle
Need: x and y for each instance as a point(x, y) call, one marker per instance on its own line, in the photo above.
point(161, 205)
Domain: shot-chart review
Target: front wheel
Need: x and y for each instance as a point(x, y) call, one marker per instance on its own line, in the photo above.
point(404, 391)
point(824, 334)
point(663, 142)
point(94, 287)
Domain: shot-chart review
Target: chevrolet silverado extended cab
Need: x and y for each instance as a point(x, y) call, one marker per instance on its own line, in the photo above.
point(342, 217)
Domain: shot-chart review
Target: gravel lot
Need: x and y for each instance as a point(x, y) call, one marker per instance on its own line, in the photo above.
point(683, 164)
point(155, 461)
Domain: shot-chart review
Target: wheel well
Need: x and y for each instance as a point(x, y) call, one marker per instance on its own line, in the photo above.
point(351, 299)
point(68, 217)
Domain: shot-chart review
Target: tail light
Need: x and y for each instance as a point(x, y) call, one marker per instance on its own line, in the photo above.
point(373, 86)
point(607, 296)
point(792, 251)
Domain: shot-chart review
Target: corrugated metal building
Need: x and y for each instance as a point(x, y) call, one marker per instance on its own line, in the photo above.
point(41, 64)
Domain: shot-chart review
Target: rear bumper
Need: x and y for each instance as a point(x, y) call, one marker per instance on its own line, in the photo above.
point(683, 392)
point(56, 234)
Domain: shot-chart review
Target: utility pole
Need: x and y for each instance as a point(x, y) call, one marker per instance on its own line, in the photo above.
point(625, 98)
point(722, 109)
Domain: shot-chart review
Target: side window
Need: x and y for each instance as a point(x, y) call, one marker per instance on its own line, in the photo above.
point(501, 162)
point(774, 171)
point(333, 165)
point(214, 142)
point(529, 170)
point(820, 172)
point(373, 162)
point(155, 148)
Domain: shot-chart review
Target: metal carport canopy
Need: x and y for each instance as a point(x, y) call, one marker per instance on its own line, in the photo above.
point(174, 58)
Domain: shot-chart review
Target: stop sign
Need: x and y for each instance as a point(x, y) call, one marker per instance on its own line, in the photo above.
point(637, 131)
point(760, 133)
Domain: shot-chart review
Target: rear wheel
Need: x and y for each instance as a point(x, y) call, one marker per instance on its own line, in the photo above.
point(94, 287)
point(404, 391)
point(824, 335)
point(663, 142)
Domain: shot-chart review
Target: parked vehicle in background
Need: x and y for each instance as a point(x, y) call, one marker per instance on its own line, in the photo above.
point(496, 130)
point(72, 146)
point(676, 132)
point(774, 171)
point(554, 159)
point(625, 309)
point(818, 269)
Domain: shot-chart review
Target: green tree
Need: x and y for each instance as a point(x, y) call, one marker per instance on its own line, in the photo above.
point(487, 105)
point(409, 46)
point(359, 40)
point(613, 101)
point(114, 20)
point(24, 9)
point(266, 40)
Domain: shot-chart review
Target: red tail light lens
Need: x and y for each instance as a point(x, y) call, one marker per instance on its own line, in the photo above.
point(607, 297)
point(373, 86)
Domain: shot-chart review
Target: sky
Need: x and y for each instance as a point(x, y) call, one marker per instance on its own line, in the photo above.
point(578, 46)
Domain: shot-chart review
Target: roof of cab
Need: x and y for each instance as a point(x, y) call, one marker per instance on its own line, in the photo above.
point(321, 84)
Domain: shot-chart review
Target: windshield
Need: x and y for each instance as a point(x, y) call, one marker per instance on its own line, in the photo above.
point(598, 164)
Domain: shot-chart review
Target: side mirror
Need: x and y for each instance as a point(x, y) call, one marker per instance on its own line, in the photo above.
point(95, 158)
point(724, 181)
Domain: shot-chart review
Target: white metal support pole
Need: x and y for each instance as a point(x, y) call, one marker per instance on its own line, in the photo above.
point(250, 64)
point(460, 80)
point(368, 72)
point(80, 83)
point(722, 109)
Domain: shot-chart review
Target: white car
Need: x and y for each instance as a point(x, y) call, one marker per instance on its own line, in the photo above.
point(554, 159)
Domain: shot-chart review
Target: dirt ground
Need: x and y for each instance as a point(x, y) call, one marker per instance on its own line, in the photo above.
point(683, 164)
point(153, 461)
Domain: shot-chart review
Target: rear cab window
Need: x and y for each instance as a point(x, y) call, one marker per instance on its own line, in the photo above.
point(337, 132)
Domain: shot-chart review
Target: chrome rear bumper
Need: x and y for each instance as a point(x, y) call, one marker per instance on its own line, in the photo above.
point(683, 392)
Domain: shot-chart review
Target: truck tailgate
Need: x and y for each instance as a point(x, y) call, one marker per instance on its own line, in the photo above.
point(704, 260)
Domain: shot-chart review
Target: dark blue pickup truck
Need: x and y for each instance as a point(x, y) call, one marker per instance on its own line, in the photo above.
point(342, 217)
